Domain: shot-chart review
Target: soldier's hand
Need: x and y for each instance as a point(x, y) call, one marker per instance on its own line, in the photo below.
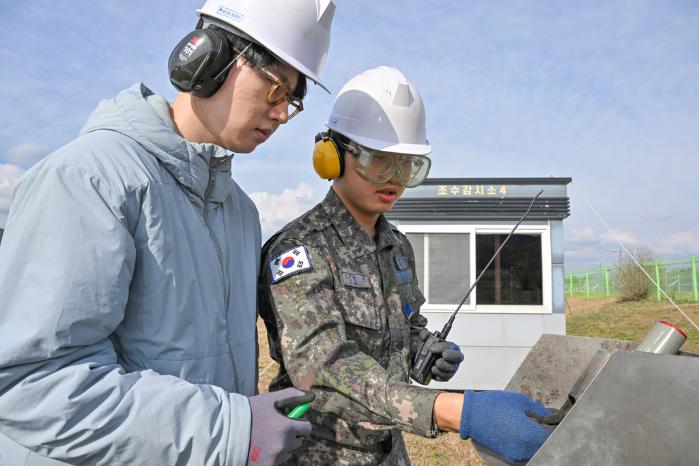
point(423, 334)
point(274, 436)
point(502, 421)
point(449, 356)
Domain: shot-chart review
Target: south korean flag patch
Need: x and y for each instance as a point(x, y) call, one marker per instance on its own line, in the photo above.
point(292, 261)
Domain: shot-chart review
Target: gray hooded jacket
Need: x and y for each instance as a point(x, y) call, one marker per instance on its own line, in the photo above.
point(127, 299)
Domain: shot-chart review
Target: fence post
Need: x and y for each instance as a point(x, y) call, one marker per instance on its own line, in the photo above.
point(606, 280)
point(587, 284)
point(570, 283)
point(694, 278)
point(657, 279)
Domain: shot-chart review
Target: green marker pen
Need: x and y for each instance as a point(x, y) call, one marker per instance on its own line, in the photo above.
point(299, 411)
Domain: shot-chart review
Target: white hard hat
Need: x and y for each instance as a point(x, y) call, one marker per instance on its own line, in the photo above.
point(382, 110)
point(296, 31)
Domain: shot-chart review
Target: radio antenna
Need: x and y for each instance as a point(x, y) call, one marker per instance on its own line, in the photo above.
point(447, 326)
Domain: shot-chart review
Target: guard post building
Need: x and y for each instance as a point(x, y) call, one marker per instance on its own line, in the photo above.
point(455, 225)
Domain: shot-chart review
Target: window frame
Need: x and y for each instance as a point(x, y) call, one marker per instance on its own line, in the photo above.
point(543, 230)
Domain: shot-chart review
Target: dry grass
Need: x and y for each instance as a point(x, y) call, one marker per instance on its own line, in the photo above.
point(447, 450)
point(629, 320)
point(578, 307)
point(603, 318)
point(268, 368)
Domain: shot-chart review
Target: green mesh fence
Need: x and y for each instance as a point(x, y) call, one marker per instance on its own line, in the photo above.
point(677, 277)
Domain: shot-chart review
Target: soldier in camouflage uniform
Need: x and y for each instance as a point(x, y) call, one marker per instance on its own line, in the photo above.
point(347, 324)
point(339, 293)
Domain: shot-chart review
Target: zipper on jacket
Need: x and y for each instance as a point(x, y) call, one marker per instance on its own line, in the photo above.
point(221, 263)
point(219, 252)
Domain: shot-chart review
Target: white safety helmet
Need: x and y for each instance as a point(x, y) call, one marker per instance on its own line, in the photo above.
point(382, 110)
point(296, 31)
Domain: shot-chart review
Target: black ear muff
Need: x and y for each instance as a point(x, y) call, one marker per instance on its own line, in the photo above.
point(196, 64)
point(328, 161)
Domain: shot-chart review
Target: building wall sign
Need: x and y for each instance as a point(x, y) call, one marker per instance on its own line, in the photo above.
point(482, 190)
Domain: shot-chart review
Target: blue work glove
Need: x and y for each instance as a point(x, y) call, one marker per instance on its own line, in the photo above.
point(499, 420)
point(449, 356)
point(274, 436)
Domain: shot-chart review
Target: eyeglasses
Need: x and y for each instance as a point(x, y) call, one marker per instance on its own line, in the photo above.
point(380, 167)
point(279, 92)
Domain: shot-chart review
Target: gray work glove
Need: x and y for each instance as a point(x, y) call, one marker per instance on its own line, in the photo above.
point(274, 436)
point(449, 356)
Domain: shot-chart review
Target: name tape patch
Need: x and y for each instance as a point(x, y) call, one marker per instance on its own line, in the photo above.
point(290, 262)
point(355, 280)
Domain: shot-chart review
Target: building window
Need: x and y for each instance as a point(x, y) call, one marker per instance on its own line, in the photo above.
point(449, 267)
point(417, 241)
point(448, 258)
point(515, 276)
point(446, 278)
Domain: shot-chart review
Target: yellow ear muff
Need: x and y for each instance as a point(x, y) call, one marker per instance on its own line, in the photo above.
point(326, 158)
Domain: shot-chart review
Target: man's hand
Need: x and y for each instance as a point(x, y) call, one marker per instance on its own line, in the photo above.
point(449, 356)
point(501, 421)
point(274, 436)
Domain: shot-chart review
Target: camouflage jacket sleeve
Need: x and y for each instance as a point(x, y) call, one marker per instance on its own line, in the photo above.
point(348, 383)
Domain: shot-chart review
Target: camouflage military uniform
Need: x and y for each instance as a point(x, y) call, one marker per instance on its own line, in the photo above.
point(342, 325)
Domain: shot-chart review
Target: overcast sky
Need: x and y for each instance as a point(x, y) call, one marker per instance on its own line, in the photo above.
point(605, 92)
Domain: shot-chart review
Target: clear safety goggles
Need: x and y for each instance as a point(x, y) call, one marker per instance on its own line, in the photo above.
point(380, 167)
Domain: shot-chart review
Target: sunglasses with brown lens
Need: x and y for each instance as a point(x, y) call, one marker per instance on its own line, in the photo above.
point(279, 91)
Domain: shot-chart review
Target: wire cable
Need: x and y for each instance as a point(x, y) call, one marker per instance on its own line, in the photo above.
point(616, 238)
point(266, 368)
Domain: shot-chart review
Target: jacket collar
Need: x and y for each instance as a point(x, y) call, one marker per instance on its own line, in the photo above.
point(145, 117)
point(352, 234)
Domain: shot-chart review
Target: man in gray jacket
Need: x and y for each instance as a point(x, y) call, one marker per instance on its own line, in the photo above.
point(129, 262)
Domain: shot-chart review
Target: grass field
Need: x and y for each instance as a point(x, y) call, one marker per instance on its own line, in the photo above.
point(604, 318)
